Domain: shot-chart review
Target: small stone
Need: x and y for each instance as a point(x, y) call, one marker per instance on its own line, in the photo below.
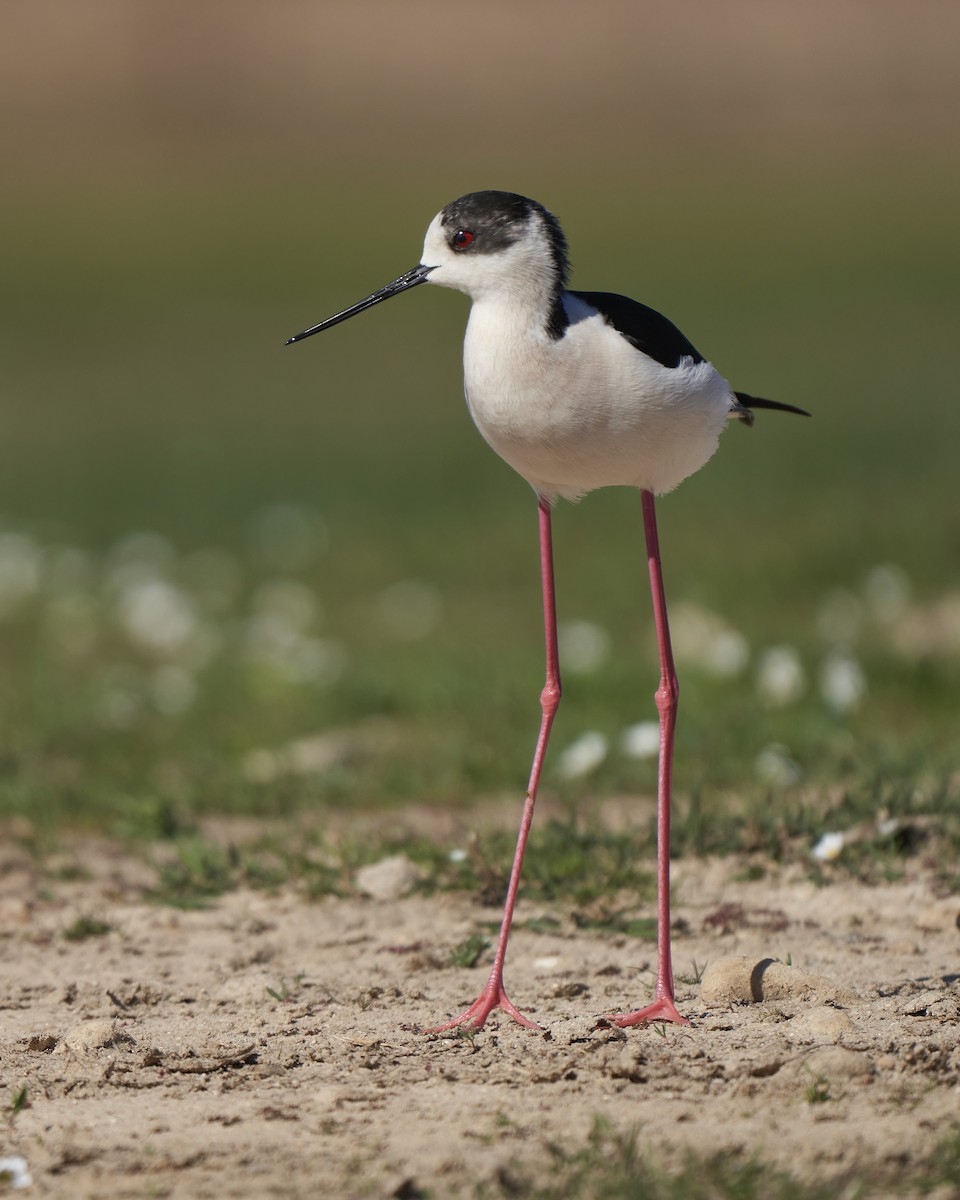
point(740, 980)
point(820, 1024)
point(90, 1036)
point(389, 879)
point(727, 981)
point(833, 1064)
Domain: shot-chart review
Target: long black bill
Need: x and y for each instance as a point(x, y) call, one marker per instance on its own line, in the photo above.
point(410, 279)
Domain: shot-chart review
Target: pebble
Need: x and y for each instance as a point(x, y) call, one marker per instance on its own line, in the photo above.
point(95, 1034)
point(831, 1063)
point(820, 1024)
point(389, 879)
point(741, 980)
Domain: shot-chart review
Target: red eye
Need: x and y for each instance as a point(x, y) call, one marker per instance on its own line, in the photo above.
point(462, 239)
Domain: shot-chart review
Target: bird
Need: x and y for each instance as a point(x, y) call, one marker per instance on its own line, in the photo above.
point(576, 391)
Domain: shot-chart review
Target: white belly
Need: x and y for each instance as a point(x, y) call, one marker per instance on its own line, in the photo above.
point(588, 410)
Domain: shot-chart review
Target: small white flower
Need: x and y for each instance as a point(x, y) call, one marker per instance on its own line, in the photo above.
point(887, 589)
point(828, 847)
point(278, 636)
point(726, 654)
point(584, 646)
point(300, 659)
point(706, 640)
point(14, 1173)
point(583, 755)
point(458, 855)
point(21, 560)
point(842, 682)
point(156, 615)
point(261, 766)
point(641, 740)
point(780, 676)
point(774, 766)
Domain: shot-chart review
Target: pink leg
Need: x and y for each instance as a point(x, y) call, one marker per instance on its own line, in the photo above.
point(493, 995)
point(663, 1007)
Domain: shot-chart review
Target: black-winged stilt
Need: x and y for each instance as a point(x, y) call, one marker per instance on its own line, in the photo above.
point(576, 391)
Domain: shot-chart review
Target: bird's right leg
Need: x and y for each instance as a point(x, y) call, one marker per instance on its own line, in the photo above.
point(663, 1007)
point(494, 995)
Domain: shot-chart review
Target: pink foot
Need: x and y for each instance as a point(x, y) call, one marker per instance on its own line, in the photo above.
point(492, 997)
point(662, 1009)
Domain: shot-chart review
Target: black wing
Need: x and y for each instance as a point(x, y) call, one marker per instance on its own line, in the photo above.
point(643, 327)
point(662, 341)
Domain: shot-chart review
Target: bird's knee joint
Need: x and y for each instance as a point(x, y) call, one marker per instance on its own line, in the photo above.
point(550, 698)
point(667, 694)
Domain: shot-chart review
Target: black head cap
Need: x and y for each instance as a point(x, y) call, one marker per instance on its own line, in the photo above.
point(499, 219)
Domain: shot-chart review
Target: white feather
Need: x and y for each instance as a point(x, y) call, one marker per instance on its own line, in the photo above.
point(583, 411)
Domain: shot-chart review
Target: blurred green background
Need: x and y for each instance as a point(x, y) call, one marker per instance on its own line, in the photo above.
point(238, 577)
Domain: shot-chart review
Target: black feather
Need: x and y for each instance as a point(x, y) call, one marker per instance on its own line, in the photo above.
point(643, 327)
point(758, 402)
point(500, 220)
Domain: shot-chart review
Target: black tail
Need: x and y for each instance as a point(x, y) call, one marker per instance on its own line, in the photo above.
point(751, 402)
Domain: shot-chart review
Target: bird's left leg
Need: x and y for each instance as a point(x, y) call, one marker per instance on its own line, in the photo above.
point(663, 1007)
point(494, 995)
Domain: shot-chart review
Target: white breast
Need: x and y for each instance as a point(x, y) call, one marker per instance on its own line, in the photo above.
point(587, 410)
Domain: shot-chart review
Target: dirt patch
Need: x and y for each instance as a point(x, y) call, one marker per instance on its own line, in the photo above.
point(270, 1047)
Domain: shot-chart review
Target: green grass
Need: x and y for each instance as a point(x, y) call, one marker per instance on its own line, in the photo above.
point(86, 926)
point(576, 863)
point(469, 952)
point(19, 1100)
point(146, 682)
point(577, 869)
point(611, 1166)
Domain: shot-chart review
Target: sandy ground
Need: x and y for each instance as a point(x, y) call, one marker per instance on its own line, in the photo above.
point(157, 1062)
